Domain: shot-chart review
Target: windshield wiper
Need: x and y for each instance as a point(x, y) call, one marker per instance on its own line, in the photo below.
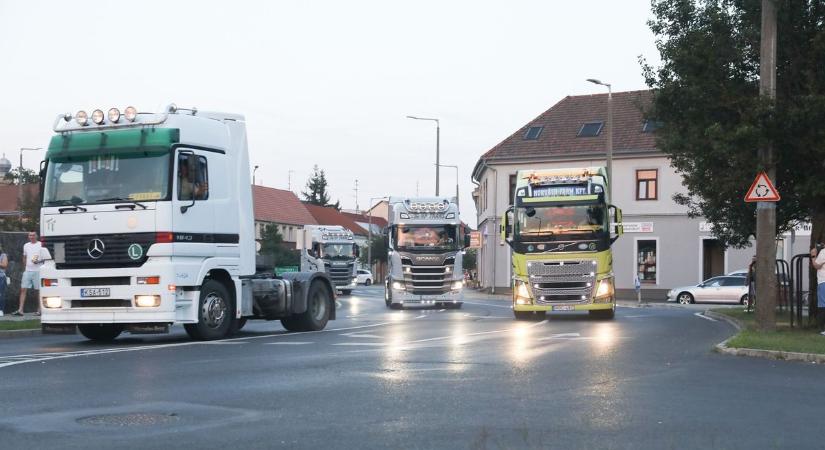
point(72, 208)
point(74, 201)
point(121, 199)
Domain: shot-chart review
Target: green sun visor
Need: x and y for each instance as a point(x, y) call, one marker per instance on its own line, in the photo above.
point(142, 140)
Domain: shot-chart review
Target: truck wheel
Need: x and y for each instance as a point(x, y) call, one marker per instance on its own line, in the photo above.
point(603, 314)
point(215, 313)
point(387, 296)
point(316, 316)
point(346, 292)
point(238, 324)
point(101, 332)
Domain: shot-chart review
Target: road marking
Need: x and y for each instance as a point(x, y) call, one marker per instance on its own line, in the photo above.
point(705, 317)
point(362, 344)
point(288, 343)
point(362, 335)
point(487, 304)
point(565, 337)
point(221, 343)
point(441, 310)
point(13, 360)
point(480, 333)
point(420, 317)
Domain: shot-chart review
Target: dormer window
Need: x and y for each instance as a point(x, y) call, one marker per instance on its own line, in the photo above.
point(590, 129)
point(533, 133)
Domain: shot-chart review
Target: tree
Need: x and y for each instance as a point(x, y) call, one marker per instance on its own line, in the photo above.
point(706, 99)
point(470, 256)
point(29, 176)
point(378, 250)
point(316, 193)
point(272, 247)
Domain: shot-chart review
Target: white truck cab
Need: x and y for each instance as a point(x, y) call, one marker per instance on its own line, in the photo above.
point(330, 249)
point(149, 222)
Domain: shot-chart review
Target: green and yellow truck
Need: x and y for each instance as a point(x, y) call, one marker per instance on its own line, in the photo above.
point(561, 228)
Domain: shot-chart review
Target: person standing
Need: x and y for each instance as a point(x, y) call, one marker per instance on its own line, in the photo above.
point(31, 275)
point(818, 261)
point(4, 264)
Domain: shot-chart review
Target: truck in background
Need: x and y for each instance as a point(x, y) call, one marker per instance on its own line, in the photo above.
point(330, 249)
point(148, 221)
point(561, 229)
point(426, 242)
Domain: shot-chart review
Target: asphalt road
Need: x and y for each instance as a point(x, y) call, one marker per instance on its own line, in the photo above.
point(470, 378)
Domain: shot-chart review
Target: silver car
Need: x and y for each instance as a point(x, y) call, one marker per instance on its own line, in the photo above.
point(727, 289)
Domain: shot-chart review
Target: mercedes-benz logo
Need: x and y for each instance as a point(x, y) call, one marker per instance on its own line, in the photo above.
point(95, 248)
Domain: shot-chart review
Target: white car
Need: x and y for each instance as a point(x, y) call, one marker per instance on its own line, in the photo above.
point(728, 289)
point(364, 277)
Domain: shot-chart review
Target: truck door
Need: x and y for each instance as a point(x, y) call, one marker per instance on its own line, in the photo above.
point(193, 212)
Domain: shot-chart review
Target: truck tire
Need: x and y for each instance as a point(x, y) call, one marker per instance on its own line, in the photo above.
point(315, 318)
point(603, 314)
point(238, 324)
point(216, 312)
point(387, 295)
point(101, 332)
point(346, 291)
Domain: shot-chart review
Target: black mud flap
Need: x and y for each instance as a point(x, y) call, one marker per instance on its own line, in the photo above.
point(58, 328)
point(148, 328)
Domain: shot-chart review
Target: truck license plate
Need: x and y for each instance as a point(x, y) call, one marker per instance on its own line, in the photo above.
point(564, 308)
point(95, 292)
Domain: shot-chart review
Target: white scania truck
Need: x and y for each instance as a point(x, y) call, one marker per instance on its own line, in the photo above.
point(148, 219)
point(330, 249)
point(426, 243)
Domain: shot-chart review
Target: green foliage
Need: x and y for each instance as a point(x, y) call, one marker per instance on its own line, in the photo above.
point(379, 250)
point(29, 176)
point(272, 246)
point(30, 218)
point(715, 122)
point(317, 193)
point(470, 257)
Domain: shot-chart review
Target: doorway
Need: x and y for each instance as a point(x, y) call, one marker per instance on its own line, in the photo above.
point(713, 258)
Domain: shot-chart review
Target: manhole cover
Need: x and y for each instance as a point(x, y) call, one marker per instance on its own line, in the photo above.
point(129, 420)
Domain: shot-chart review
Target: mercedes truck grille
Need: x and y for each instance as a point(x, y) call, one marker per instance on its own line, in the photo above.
point(100, 250)
point(341, 274)
point(428, 279)
point(562, 281)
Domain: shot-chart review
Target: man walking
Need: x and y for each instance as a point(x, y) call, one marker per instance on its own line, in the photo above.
point(31, 276)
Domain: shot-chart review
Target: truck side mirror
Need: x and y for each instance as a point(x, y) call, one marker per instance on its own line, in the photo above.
point(191, 164)
point(356, 251)
point(507, 226)
point(616, 227)
point(43, 166)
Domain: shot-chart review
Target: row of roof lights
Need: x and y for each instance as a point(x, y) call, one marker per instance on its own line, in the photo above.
point(98, 118)
point(428, 206)
point(337, 236)
point(589, 129)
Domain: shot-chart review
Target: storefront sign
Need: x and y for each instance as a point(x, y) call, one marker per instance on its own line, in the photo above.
point(638, 227)
point(475, 239)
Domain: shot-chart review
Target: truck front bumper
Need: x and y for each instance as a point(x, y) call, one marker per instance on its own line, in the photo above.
point(592, 306)
point(402, 297)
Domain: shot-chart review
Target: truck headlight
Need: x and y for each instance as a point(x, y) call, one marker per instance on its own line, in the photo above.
point(457, 285)
point(52, 302)
point(605, 288)
point(147, 301)
point(398, 286)
point(354, 280)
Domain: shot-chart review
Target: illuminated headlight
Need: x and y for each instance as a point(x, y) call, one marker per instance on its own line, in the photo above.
point(521, 290)
point(450, 216)
point(605, 288)
point(354, 280)
point(398, 286)
point(457, 285)
point(130, 113)
point(48, 282)
point(81, 118)
point(52, 302)
point(448, 269)
point(405, 216)
point(147, 301)
point(97, 116)
point(114, 115)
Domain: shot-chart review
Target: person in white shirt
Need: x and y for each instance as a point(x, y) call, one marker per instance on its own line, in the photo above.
point(32, 255)
point(818, 261)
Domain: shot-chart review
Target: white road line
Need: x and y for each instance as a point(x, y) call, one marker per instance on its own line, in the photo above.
point(503, 330)
point(13, 360)
point(362, 344)
point(420, 317)
point(362, 335)
point(565, 337)
point(288, 343)
point(705, 317)
point(222, 343)
point(508, 306)
point(441, 310)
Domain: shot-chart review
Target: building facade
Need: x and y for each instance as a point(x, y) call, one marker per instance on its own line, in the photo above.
point(661, 245)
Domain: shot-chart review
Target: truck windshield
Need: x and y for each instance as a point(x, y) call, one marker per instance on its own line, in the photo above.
point(430, 237)
point(102, 178)
point(546, 221)
point(339, 251)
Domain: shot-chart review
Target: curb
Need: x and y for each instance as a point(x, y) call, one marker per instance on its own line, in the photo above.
point(11, 334)
point(776, 355)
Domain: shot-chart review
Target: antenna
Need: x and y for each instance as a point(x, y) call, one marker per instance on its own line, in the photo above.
point(356, 196)
point(289, 179)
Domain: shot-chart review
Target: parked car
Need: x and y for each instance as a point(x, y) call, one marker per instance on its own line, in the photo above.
point(364, 277)
point(728, 289)
point(744, 273)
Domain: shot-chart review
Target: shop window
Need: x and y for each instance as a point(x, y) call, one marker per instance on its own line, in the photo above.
point(647, 184)
point(646, 253)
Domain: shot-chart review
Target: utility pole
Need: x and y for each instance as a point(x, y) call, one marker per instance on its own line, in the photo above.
point(766, 211)
point(289, 179)
point(356, 196)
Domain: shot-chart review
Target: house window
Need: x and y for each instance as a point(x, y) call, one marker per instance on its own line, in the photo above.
point(647, 184)
point(533, 133)
point(512, 189)
point(591, 129)
point(484, 197)
point(646, 260)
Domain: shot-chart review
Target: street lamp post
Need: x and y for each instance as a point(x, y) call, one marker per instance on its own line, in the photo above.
point(437, 147)
point(456, 180)
point(253, 174)
point(20, 179)
point(609, 135)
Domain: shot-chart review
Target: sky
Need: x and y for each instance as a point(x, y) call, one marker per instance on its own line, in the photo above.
point(322, 82)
